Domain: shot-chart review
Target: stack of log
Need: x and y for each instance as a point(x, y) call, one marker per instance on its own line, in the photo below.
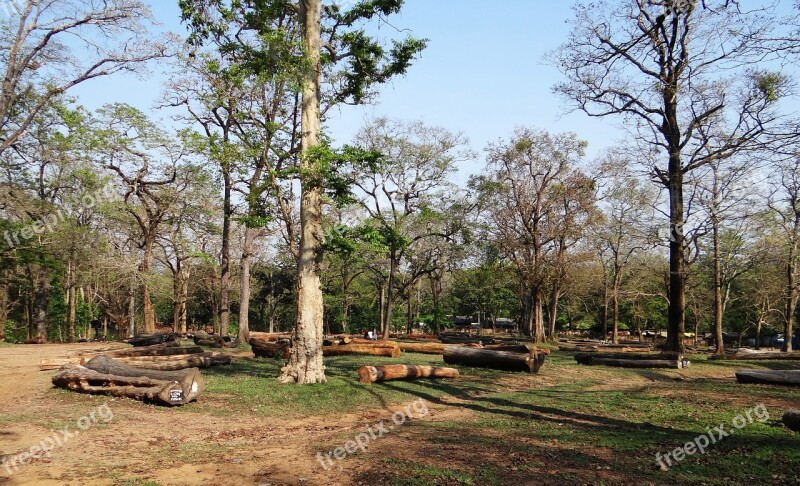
point(151, 339)
point(634, 360)
point(372, 374)
point(530, 361)
point(106, 376)
point(769, 377)
point(270, 336)
point(158, 357)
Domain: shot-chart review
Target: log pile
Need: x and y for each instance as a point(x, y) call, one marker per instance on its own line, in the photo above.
point(158, 357)
point(423, 348)
point(633, 360)
point(202, 338)
point(461, 338)
point(769, 377)
point(502, 360)
point(151, 339)
point(270, 336)
point(372, 374)
point(791, 419)
point(103, 375)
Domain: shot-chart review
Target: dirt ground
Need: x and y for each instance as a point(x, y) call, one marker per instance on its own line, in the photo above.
point(193, 449)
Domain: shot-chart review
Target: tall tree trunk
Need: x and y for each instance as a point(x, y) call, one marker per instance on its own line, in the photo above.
point(390, 294)
point(40, 301)
point(677, 265)
point(244, 285)
point(791, 297)
point(3, 301)
point(177, 285)
point(718, 306)
point(538, 317)
point(555, 296)
point(615, 305)
point(345, 306)
point(186, 273)
point(436, 292)
point(147, 302)
point(305, 364)
point(410, 312)
point(604, 315)
point(225, 257)
point(71, 301)
point(132, 309)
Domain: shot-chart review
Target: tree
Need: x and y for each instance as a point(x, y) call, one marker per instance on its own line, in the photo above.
point(406, 197)
point(53, 46)
point(526, 183)
point(623, 231)
point(687, 86)
point(352, 63)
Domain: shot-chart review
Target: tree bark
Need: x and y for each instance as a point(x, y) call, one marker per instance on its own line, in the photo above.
point(244, 285)
point(147, 302)
point(390, 295)
point(305, 364)
point(71, 301)
point(102, 375)
point(791, 296)
point(372, 374)
point(769, 377)
point(501, 360)
point(225, 256)
point(365, 349)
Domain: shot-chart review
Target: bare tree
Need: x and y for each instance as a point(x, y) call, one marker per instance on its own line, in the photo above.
point(686, 85)
point(49, 47)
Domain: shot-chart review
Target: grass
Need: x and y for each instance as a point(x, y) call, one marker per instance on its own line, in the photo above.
point(569, 424)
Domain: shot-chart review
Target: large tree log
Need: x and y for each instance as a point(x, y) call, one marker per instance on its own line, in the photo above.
point(467, 340)
point(424, 348)
point(638, 363)
point(151, 339)
point(792, 356)
point(373, 342)
point(102, 375)
point(584, 358)
point(365, 349)
point(791, 419)
point(501, 360)
point(173, 363)
point(264, 349)
point(270, 336)
point(769, 377)
point(371, 374)
point(202, 338)
point(157, 350)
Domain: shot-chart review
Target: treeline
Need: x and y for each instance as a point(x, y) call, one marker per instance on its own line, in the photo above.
point(109, 219)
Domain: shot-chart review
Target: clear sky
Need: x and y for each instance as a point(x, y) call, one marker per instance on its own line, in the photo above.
point(482, 74)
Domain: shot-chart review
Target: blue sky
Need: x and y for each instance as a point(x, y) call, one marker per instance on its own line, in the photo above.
point(482, 74)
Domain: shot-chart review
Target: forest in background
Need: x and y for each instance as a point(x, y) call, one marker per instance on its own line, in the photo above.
point(109, 216)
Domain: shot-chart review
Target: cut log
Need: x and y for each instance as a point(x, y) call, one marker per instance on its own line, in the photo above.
point(584, 358)
point(769, 377)
point(365, 349)
point(373, 342)
point(423, 348)
point(173, 363)
point(264, 349)
point(467, 340)
point(202, 338)
point(103, 375)
point(55, 364)
point(151, 339)
point(501, 360)
point(270, 336)
point(157, 350)
point(371, 374)
point(791, 419)
point(754, 356)
point(638, 363)
point(36, 340)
